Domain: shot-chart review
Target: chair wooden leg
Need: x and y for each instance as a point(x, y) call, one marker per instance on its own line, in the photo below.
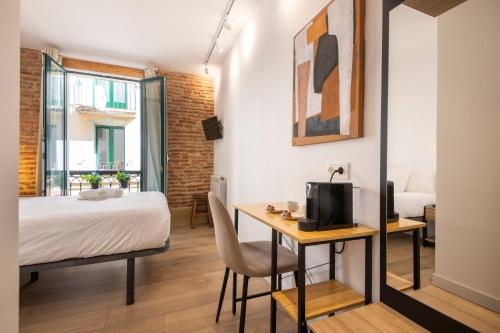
point(193, 214)
point(296, 278)
point(243, 304)
point(222, 293)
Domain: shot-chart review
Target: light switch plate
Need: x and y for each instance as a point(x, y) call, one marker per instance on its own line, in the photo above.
point(334, 166)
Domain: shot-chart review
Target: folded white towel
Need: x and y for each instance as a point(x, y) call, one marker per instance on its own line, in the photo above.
point(112, 192)
point(92, 195)
point(101, 194)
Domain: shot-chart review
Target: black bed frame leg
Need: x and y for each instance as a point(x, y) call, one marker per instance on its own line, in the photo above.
point(34, 276)
point(130, 280)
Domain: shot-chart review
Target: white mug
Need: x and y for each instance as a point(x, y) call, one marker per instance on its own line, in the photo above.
point(292, 206)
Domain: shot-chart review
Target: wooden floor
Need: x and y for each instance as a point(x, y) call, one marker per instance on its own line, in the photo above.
point(376, 317)
point(176, 291)
point(466, 312)
point(400, 258)
point(399, 262)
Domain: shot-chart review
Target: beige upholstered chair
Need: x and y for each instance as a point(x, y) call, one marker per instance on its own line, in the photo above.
point(250, 259)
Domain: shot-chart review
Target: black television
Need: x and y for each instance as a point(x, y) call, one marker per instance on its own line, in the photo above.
point(212, 128)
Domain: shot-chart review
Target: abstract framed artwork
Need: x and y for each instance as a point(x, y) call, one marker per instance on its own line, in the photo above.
point(328, 87)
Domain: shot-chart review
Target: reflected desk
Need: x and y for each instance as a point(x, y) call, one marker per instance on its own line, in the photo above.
point(406, 225)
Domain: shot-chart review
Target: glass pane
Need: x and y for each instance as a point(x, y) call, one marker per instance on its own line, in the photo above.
point(119, 148)
point(55, 123)
point(103, 148)
point(153, 135)
point(102, 94)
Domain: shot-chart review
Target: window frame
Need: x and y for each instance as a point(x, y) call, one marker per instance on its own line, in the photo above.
point(111, 143)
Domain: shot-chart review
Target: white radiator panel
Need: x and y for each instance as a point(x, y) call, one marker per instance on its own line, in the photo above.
point(218, 185)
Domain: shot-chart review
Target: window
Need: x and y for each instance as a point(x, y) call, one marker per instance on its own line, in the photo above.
point(116, 93)
point(110, 147)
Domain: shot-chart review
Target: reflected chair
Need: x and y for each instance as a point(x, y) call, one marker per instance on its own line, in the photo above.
point(250, 259)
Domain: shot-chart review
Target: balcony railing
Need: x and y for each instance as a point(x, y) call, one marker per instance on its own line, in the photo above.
point(77, 184)
point(111, 166)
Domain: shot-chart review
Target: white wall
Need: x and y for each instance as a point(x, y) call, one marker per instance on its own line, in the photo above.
point(9, 136)
point(255, 103)
point(412, 100)
point(468, 159)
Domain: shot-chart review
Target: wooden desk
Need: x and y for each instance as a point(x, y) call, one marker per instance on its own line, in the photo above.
point(404, 225)
point(376, 317)
point(307, 302)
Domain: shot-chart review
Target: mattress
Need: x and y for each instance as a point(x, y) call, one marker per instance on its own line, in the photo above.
point(58, 228)
point(411, 204)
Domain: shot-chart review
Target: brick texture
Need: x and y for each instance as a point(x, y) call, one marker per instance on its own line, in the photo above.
point(190, 99)
point(31, 77)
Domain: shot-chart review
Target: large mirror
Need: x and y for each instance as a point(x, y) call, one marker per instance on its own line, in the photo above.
point(440, 160)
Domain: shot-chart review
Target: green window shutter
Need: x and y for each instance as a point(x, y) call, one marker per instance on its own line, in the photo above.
point(119, 95)
point(109, 100)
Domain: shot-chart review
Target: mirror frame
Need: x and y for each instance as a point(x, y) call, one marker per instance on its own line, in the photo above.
point(420, 313)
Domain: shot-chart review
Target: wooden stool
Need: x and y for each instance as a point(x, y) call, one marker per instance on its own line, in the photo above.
point(201, 208)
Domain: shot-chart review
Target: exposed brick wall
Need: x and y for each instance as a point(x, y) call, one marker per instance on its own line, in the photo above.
point(190, 99)
point(31, 71)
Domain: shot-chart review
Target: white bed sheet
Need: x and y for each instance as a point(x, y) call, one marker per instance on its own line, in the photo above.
point(411, 204)
point(57, 228)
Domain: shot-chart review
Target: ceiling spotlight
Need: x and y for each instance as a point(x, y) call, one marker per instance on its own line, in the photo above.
point(227, 25)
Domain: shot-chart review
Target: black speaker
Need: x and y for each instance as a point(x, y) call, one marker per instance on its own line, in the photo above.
point(330, 204)
point(392, 216)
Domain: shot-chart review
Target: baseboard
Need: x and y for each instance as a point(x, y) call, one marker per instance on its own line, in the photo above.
point(489, 302)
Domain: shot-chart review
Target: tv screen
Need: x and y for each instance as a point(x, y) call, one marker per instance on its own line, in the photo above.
point(212, 128)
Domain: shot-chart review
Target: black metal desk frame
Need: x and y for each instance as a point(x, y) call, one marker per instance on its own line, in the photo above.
point(276, 285)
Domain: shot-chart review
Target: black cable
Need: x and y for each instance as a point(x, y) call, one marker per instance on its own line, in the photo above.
point(292, 249)
point(341, 250)
point(313, 267)
point(340, 171)
point(333, 173)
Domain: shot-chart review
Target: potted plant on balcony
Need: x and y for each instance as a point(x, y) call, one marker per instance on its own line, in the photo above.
point(123, 178)
point(94, 180)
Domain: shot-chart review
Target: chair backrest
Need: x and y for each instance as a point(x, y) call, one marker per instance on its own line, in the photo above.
point(226, 239)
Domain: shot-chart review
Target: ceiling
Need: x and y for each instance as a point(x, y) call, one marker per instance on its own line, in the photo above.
point(171, 34)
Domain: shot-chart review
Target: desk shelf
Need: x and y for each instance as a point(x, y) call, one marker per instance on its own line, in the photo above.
point(321, 299)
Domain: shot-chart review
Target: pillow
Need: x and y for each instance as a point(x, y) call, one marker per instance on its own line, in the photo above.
point(399, 177)
point(421, 181)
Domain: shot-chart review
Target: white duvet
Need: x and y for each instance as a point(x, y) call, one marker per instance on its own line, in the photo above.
point(411, 204)
point(57, 228)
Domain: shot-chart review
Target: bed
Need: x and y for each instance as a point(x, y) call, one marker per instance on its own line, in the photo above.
point(411, 204)
point(413, 190)
point(56, 232)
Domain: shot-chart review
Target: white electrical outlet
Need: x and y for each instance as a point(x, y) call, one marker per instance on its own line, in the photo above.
point(335, 166)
